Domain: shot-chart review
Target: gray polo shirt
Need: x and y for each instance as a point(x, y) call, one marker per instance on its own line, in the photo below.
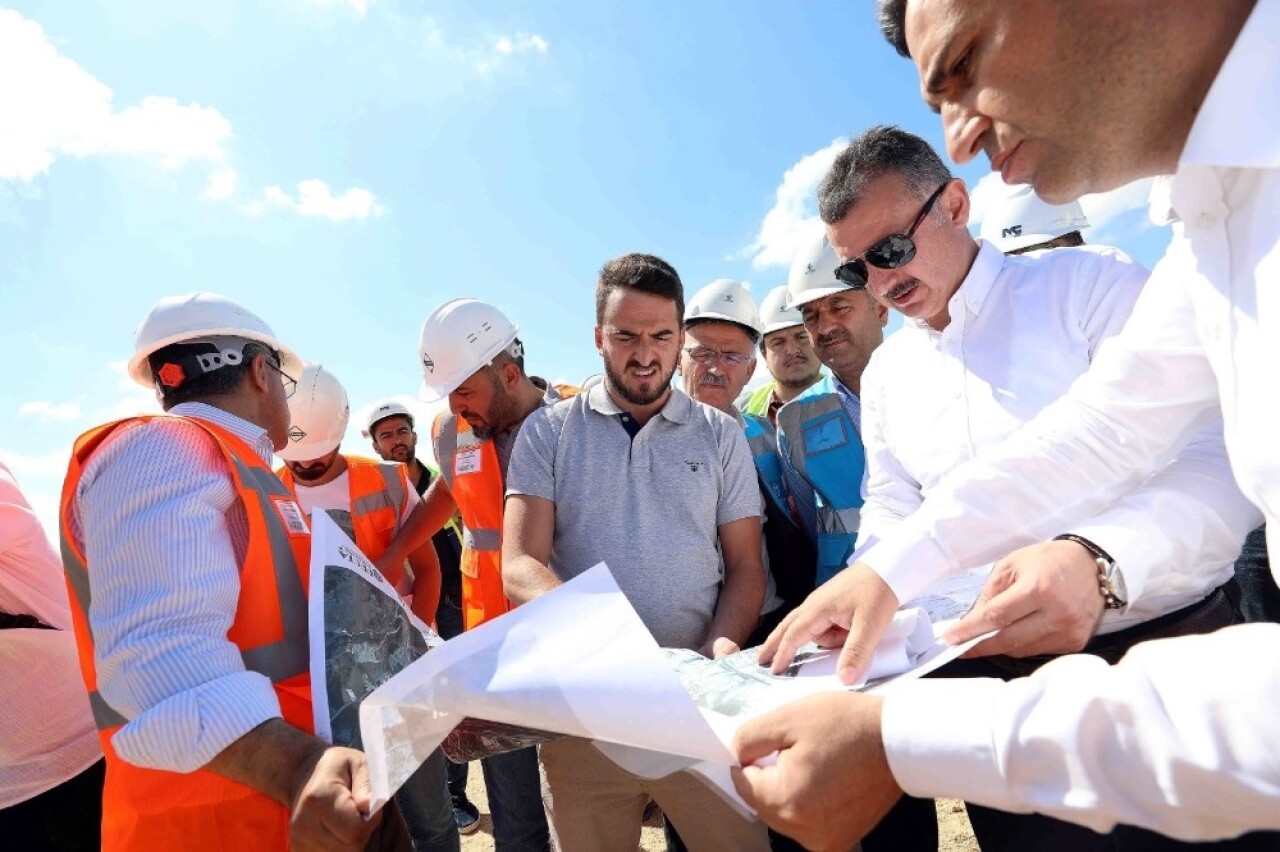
point(649, 506)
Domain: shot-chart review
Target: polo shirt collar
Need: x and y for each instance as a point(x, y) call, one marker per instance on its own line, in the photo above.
point(1236, 124)
point(677, 409)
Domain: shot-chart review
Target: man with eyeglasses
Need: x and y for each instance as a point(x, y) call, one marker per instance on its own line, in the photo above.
point(820, 430)
point(989, 342)
point(187, 562)
point(721, 330)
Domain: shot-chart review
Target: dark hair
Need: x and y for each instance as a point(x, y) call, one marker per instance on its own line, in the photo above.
point(219, 382)
point(643, 272)
point(880, 150)
point(893, 23)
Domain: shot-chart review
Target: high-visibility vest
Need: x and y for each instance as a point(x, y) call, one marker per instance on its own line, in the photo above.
point(148, 809)
point(792, 556)
point(471, 469)
point(379, 493)
point(817, 437)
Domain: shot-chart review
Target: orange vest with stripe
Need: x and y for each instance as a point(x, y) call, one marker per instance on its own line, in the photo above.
point(379, 492)
point(471, 469)
point(148, 809)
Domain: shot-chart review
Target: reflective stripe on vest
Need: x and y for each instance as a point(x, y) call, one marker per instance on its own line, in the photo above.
point(482, 539)
point(764, 451)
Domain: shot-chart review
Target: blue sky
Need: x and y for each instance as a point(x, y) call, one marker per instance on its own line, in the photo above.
point(342, 166)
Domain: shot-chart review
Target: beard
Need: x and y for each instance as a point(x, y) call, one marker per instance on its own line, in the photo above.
point(313, 471)
point(645, 394)
point(501, 414)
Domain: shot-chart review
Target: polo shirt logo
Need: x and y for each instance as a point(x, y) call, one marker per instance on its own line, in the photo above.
point(694, 466)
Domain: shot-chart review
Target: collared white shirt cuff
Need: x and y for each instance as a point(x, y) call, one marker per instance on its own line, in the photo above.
point(908, 560)
point(186, 731)
point(949, 753)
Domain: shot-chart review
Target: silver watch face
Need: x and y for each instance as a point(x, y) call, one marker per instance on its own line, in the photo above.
point(1115, 582)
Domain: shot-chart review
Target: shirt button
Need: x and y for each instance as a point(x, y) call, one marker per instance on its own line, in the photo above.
point(1206, 220)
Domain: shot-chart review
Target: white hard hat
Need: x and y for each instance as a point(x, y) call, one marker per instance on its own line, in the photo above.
point(383, 410)
point(196, 316)
point(727, 300)
point(775, 314)
point(318, 415)
point(1020, 219)
point(813, 274)
point(458, 338)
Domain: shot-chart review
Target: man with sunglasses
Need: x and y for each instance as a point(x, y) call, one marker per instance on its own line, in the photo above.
point(721, 331)
point(990, 341)
point(1182, 735)
point(820, 430)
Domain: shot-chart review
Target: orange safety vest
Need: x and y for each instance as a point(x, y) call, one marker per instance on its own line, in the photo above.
point(148, 809)
point(379, 492)
point(471, 470)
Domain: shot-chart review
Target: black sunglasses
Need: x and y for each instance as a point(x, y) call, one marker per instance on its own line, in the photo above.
point(892, 252)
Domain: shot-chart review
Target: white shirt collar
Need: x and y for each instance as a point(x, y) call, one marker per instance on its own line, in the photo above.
point(253, 435)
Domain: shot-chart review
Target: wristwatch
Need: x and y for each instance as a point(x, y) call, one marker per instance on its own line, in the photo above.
point(1110, 580)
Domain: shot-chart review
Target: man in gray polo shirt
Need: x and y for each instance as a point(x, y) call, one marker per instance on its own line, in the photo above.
point(636, 474)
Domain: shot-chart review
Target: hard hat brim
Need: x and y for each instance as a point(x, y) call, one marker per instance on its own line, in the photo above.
point(781, 325)
point(815, 293)
point(140, 370)
point(429, 393)
point(751, 330)
point(304, 451)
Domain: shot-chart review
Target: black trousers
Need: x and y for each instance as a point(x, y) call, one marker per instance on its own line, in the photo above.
point(67, 818)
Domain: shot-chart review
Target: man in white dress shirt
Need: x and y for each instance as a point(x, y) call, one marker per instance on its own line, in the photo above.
point(989, 341)
point(1182, 736)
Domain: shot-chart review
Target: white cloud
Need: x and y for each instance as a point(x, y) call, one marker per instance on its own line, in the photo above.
point(360, 7)
point(520, 43)
point(315, 198)
point(793, 219)
point(1099, 208)
point(50, 412)
point(222, 184)
point(62, 110)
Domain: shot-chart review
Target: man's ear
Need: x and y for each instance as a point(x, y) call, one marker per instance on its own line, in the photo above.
point(260, 373)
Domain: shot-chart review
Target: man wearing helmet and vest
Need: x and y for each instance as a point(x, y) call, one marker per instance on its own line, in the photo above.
point(988, 343)
point(389, 427)
point(721, 328)
point(662, 489)
point(788, 355)
point(820, 430)
point(470, 356)
point(195, 557)
point(369, 501)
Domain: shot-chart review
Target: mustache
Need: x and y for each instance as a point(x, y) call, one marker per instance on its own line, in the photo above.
point(833, 337)
point(798, 358)
point(712, 380)
point(901, 287)
point(636, 365)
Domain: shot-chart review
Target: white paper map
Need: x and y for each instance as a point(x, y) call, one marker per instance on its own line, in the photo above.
point(578, 661)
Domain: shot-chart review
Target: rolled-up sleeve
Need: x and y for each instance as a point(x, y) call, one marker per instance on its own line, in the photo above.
point(153, 511)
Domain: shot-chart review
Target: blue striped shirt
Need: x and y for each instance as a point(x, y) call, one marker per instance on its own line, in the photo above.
point(164, 534)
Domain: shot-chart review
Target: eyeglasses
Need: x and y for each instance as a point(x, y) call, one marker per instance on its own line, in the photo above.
point(703, 355)
point(892, 252)
point(289, 382)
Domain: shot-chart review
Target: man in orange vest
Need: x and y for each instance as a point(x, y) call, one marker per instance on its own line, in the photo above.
point(369, 500)
point(470, 355)
point(186, 562)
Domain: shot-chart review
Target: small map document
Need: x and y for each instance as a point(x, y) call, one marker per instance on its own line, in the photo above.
point(575, 662)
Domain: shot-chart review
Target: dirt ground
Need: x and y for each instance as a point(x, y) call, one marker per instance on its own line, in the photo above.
point(955, 835)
